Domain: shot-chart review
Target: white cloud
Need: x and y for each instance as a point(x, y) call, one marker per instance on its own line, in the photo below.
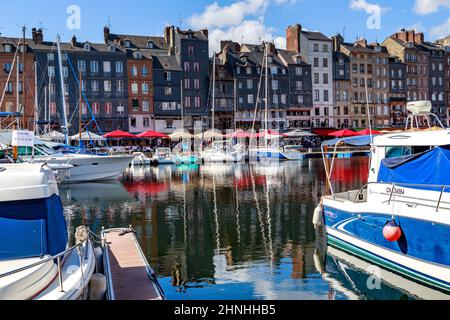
point(369, 8)
point(440, 31)
point(241, 21)
point(430, 6)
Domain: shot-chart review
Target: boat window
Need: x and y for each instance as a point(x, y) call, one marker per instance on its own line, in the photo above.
point(394, 152)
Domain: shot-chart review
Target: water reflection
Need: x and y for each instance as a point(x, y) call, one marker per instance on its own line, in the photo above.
point(226, 231)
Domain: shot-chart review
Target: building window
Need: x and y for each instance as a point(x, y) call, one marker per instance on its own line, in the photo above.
point(95, 86)
point(145, 105)
point(298, 71)
point(133, 122)
point(299, 85)
point(81, 66)
point(145, 88)
point(135, 104)
point(197, 102)
point(190, 49)
point(249, 84)
point(8, 48)
point(120, 108)
point(316, 47)
point(94, 66)
point(107, 85)
point(51, 71)
point(146, 122)
point(325, 48)
point(325, 78)
point(250, 99)
point(197, 84)
point(325, 63)
point(283, 99)
point(274, 84)
point(187, 83)
point(144, 71)
point(326, 95)
point(134, 71)
point(108, 108)
point(119, 67)
point(316, 62)
point(316, 95)
point(187, 102)
point(196, 67)
point(52, 108)
point(186, 66)
point(96, 108)
point(274, 70)
point(167, 76)
point(65, 72)
point(134, 88)
point(119, 86)
point(50, 56)
point(137, 55)
point(106, 66)
point(316, 78)
point(167, 91)
point(275, 99)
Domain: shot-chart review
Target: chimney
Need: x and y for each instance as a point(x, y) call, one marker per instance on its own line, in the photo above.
point(205, 32)
point(293, 34)
point(362, 42)
point(402, 35)
point(337, 41)
point(172, 40)
point(410, 35)
point(167, 34)
point(233, 46)
point(38, 37)
point(73, 42)
point(33, 34)
point(419, 38)
point(272, 48)
point(106, 34)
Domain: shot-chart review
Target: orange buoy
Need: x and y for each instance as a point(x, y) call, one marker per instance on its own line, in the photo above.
point(392, 232)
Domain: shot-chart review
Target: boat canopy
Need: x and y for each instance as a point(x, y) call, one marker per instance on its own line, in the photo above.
point(427, 168)
point(358, 141)
point(32, 228)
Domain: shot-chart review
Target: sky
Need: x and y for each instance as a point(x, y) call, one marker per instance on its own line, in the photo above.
point(249, 21)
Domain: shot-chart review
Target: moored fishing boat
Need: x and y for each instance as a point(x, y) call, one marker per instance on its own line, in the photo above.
point(400, 220)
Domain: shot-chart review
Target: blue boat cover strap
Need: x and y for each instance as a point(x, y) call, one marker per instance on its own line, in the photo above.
point(427, 168)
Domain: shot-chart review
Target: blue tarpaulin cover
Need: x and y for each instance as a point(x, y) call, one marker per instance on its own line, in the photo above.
point(428, 168)
point(32, 228)
point(359, 141)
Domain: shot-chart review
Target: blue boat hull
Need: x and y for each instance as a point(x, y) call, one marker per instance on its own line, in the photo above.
point(423, 242)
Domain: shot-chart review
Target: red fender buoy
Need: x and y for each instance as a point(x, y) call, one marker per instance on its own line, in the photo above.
point(392, 232)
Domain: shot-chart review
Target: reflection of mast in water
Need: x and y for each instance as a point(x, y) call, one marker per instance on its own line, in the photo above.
point(269, 226)
point(216, 216)
point(259, 213)
point(238, 213)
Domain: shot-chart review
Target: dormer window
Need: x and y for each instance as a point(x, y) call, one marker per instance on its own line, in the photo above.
point(112, 48)
point(299, 60)
point(270, 59)
point(8, 47)
point(127, 44)
point(150, 45)
point(21, 48)
point(137, 55)
point(87, 47)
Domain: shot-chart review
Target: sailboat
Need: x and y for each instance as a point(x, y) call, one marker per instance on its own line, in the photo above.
point(219, 151)
point(270, 150)
point(86, 167)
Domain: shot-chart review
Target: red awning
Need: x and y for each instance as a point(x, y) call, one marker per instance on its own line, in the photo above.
point(153, 135)
point(323, 132)
point(119, 134)
point(343, 133)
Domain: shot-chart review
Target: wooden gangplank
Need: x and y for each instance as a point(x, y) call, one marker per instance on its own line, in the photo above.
point(129, 270)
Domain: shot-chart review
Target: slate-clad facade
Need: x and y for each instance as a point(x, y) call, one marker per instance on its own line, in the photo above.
point(103, 70)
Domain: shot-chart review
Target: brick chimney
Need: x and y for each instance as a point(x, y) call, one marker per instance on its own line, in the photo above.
point(337, 41)
point(361, 42)
point(73, 42)
point(272, 48)
point(106, 34)
point(37, 35)
point(411, 36)
point(293, 34)
point(419, 38)
point(167, 34)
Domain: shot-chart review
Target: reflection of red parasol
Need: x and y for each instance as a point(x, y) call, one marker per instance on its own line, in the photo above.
point(246, 182)
point(350, 171)
point(367, 132)
point(146, 188)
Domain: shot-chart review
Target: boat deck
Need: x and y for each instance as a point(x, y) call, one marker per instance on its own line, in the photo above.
point(129, 271)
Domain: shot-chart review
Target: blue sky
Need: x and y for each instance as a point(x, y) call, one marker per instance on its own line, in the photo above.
point(247, 20)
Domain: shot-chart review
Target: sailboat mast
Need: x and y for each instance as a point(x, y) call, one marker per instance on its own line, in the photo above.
point(35, 122)
point(61, 76)
point(24, 91)
point(266, 120)
point(182, 107)
point(79, 107)
point(18, 91)
point(214, 92)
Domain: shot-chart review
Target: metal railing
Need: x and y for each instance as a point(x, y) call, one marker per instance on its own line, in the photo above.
point(395, 185)
point(59, 263)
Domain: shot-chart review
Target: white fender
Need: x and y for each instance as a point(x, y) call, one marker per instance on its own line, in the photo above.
point(318, 216)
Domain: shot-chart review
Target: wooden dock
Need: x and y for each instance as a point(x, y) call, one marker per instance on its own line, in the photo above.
point(129, 270)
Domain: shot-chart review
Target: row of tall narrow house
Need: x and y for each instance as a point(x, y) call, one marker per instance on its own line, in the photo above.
point(164, 83)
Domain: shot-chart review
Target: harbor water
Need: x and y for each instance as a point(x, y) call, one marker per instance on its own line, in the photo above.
point(233, 231)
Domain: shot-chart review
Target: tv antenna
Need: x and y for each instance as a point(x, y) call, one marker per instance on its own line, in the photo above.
point(109, 22)
point(180, 20)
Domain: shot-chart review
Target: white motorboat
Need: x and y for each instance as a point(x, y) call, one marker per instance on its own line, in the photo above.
point(400, 220)
point(140, 159)
point(220, 151)
point(35, 260)
point(163, 156)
